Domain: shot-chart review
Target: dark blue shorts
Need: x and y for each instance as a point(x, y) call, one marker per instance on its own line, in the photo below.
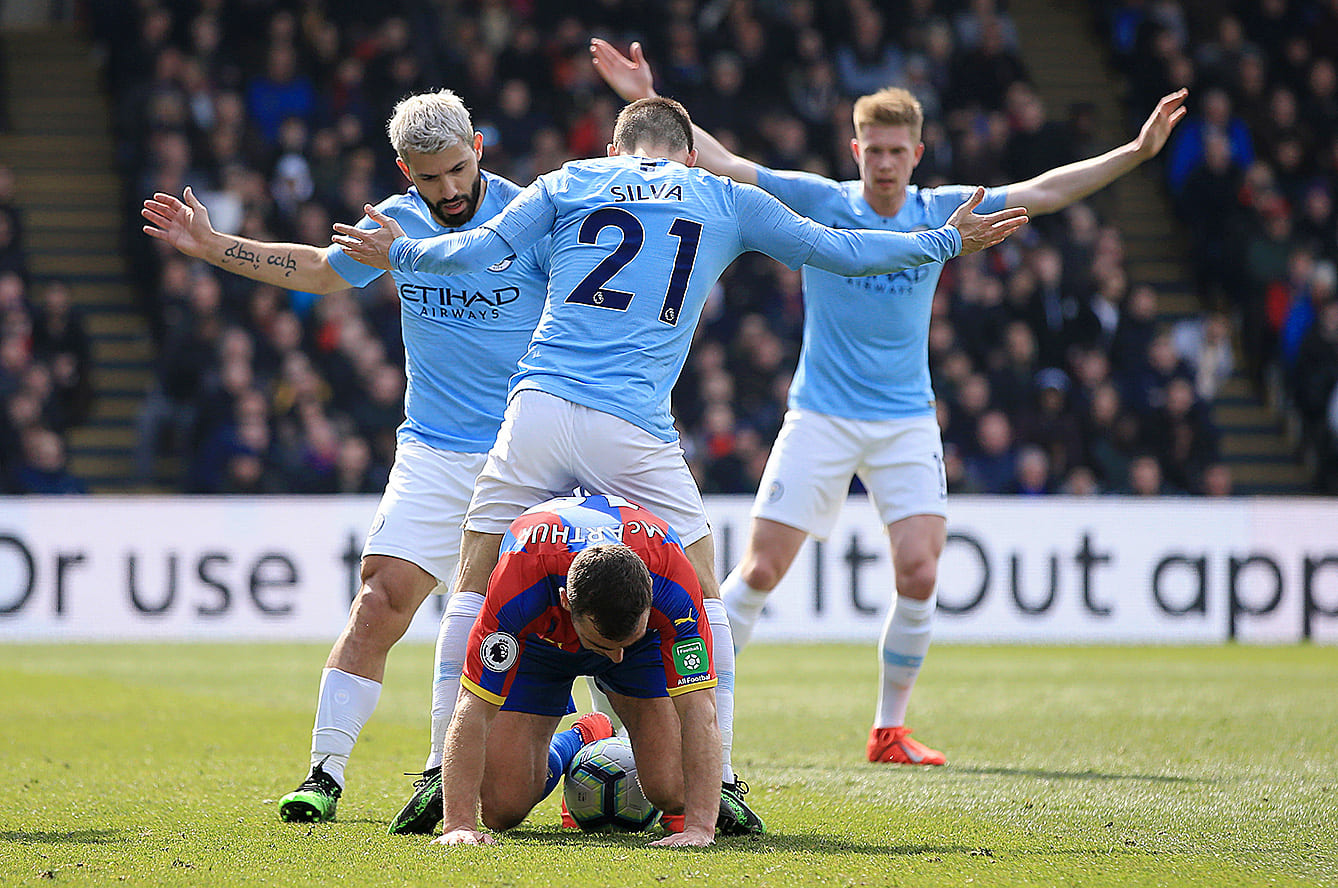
point(544, 677)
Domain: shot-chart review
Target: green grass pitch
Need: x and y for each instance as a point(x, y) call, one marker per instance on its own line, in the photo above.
point(1214, 766)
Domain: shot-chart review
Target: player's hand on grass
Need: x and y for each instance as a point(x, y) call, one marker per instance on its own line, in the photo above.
point(1157, 128)
point(629, 78)
point(465, 837)
point(979, 232)
point(183, 224)
point(369, 246)
point(688, 838)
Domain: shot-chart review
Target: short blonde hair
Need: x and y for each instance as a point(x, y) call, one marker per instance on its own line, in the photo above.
point(890, 106)
point(429, 123)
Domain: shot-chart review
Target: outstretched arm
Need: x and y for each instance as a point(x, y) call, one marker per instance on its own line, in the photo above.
point(184, 223)
point(528, 217)
point(631, 78)
point(700, 738)
point(388, 248)
point(462, 771)
point(782, 234)
point(1057, 188)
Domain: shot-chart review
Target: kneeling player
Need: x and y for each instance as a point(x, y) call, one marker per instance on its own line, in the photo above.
point(591, 585)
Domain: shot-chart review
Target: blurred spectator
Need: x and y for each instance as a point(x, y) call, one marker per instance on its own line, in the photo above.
point(59, 339)
point(1204, 343)
point(1182, 436)
point(970, 22)
point(1134, 330)
point(1217, 480)
point(1213, 117)
point(1050, 424)
point(355, 470)
point(1145, 385)
point(983, 73)
point(992, 467)
point(281, 92)
point(1207, 206)
point(1145, 477)
point(1081, 481)
point(1033, 473)
point(1014, 376)
point(23, 412)
point(42, 468)
point(13, 258)
point(869, 61)
point(8, 205)
point(1315, 391)
point(1035, 143)
point(1112, 437)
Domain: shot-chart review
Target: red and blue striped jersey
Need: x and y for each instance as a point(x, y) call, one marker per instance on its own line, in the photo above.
point(522, 607)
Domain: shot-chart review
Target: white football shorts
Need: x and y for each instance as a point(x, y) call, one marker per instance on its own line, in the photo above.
point(807, 477)
point(549, 446)
point(422, 510)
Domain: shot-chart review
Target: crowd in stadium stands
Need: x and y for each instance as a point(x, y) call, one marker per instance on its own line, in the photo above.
point(1054, 370)
point(1254, 177)
point(45, 354)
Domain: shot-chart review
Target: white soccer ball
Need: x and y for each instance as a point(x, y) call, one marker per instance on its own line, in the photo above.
point(602, 791)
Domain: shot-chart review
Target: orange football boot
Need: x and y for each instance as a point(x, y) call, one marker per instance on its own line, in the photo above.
point(896, 746)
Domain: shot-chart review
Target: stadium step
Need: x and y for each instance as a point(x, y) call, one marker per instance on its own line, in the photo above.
point(99, 437)
point(1067, 65)
point(50, 263)
point(60, 147)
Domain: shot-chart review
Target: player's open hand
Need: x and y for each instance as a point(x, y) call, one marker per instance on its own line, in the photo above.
point(183, 224)
point(465, 837)
point(629, 78)
point(370, 246)
point(979, 232)
point(1157, 128)
point(688, 838)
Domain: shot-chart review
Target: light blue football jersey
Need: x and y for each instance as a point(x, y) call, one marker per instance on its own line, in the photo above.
point(463, 333)
point(866, 339)
point(637, 244)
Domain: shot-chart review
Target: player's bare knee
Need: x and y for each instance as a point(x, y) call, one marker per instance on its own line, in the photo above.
point(665, 798)
point(916, 578)
point(761, 573)
point(380, 606)
point(501, 816)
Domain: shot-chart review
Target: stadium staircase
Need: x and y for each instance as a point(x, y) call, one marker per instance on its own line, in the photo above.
point(60, 146)
point(1068, 64)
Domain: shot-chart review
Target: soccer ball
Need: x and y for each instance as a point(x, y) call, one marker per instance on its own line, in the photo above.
point(602, 791)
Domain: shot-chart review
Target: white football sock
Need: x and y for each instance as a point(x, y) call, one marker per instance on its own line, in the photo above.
point(452, 645)
point(744, 604)
point(722, 653)
point(346, 702)
point(905, 642)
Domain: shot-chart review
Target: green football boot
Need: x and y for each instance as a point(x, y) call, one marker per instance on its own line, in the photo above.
point(312, 802)
point(736, 818)
point(422, 813)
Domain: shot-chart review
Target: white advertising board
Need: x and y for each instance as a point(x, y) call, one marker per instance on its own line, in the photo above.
point(1052, 570)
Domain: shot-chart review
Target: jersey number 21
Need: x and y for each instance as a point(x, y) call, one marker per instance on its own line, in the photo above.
point(591, 289)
